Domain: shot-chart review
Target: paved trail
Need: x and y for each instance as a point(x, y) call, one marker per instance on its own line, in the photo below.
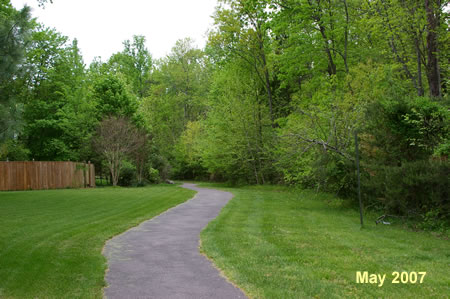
point(160, 257)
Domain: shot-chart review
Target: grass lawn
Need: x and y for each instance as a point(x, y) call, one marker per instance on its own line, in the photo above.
point(275, 243)
point(51, 241)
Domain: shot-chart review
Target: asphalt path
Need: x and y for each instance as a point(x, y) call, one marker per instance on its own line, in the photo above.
point(160, 258)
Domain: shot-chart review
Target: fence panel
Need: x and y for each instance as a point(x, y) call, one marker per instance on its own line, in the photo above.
point(39, 175)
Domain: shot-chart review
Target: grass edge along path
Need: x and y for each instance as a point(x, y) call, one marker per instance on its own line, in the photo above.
point(276, 243)
point(51, 241)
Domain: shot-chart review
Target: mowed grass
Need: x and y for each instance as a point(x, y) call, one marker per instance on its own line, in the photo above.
point(51, 241)
point(275, 243)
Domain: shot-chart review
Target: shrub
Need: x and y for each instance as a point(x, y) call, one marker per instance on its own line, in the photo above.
point(153, 175)
point(160, 163)
point(336, 174)
point(405, 130)
point(14, 150)
point(419, 188)
point(127, 175)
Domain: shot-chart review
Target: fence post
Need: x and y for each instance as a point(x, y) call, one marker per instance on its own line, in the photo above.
point(84, 174)
point(89, 177)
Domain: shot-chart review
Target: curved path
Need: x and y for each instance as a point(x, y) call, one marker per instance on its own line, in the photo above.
point(160, 257)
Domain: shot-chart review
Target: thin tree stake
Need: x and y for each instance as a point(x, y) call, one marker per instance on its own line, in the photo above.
point(359, 179)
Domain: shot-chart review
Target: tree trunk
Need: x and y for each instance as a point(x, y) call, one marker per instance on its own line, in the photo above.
point(317, 17)
point(266, 73)
point(331, 64)
point(433, 72)
point(344, 57)
point(402, 59)
point(420, 91)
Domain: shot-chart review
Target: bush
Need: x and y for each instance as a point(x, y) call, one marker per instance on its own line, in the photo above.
point(335, 174)
point(127, 175)
point(160, 163)
point(405, 130)
point(13, 150)
point(419, 188)
point(153, 175)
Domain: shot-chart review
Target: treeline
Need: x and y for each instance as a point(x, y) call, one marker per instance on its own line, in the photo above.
point(276, 96)
point(52, 106)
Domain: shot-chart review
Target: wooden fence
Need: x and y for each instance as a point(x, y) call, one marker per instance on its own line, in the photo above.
point(45, 175)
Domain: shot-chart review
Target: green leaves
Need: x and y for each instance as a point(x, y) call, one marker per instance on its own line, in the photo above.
point(58, 114)
point(112, 98)
point(15, 30)
point(134, 63)
point(177, 96)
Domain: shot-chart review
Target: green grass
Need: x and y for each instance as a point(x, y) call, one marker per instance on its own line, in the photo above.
point(276, 243)
point(51, 241)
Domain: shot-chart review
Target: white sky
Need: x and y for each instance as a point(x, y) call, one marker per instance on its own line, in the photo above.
point(102, 25)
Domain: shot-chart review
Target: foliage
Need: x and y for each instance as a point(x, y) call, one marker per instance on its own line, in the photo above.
point(113, 98)
point(127, 175)
point(414, 188)
point(177, 96)
point(405, 130)
point(11, 119)
point(59, 118)
point(135, 63)
point(15, 32)
point(159, 163)
point(15, 29)
point(153, 175)
point(14, 150)
point(188, 153)
point(237, 128)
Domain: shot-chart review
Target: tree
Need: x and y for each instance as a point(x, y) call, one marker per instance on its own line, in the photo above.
point(15, 32)
point(141, 154)
point(116, 138)
point(242, 31)
point(184, 74)
point(135, 63)
point(188, 152)
point(177, 96)
point(237, 129)
point(416, 32)
point(113, 98)
point(58, 113)
point(433, 12)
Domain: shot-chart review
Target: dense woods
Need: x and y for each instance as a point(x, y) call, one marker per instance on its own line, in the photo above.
point(275, 97)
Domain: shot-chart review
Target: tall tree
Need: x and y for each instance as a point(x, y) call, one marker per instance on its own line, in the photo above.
point(59, 116)
point(241, 30)
point(177, 96)
point(15, 32)
point(238, 129)
point(416, 33)
point(113, 98)
point(135, 63)
point(433, 11)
